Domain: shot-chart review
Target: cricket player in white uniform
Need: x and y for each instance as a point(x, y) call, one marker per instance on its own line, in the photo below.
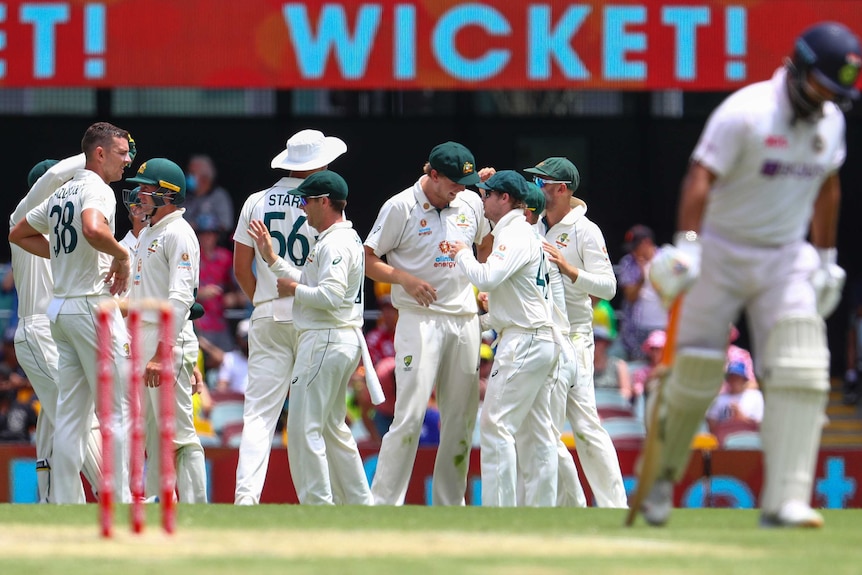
point(34, 346)
point(576, 245)
point(88, 266)
point(328, 309)
point(272, 336)
point(763, 176)
point(570, 492)
point(437, 337)
point(516, 423)
point(166, 268)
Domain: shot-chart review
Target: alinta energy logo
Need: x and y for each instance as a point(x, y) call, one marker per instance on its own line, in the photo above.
point(444, 261)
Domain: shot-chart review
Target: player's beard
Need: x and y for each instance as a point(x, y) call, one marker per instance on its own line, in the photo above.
point(803, 106)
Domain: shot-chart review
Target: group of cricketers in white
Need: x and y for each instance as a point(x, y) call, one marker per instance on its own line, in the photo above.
point(764, 171)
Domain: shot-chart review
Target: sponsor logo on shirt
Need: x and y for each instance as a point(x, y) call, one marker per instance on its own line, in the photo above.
point(775, 168)
point(424, 228)
point(185, 262)
point(444, 261)
point(408, 360)
point(776, 141)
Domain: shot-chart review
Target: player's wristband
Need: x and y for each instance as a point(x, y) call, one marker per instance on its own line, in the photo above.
point(828, 256)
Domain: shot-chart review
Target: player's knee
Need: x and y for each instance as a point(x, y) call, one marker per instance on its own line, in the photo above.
point(696, 377)
point(796, 355)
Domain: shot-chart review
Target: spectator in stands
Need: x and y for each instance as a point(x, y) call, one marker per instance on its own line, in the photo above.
point(645, 378)
point(609, 372)
point(233, 372)
point(381, 339)
point(854, 345)
point(643, 311)
point(204, 197)
point(17, 420)
point(218, 290)
point(740, 405)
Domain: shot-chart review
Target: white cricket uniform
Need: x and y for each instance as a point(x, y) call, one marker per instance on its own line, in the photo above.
point(582, 244)
point(34, 346)
point(272, 335)
point(79, 289)
point(328, 309)
point(769, 170)
point(165, 268)
point(516, 422)
point(434, 346)
point(769, 173)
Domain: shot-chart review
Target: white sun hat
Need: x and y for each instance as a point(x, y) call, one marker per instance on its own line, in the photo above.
point(307, 150)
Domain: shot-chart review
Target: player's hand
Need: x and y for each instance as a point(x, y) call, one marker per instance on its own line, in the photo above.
point(118, 275)
point(486, 173)
point(197, 380)
point(828, 281)
point(482, 298)
point(675, 268)
point(260, 234)
point(286, 287)
point(455, 247)
point(555, 256)
point(423, 292)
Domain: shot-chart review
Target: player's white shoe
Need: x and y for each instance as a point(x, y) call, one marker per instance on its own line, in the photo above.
point(244, 501)
point(792, 514)
point(658, 504)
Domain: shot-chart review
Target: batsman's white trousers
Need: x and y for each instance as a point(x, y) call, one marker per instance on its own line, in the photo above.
point(596, 451)
point(271, 347)
point(431, 349)
point(74, 330)
point(769, 282)
point(190, 460)
point(518, 405)
point(37, 354)
point(324, 462)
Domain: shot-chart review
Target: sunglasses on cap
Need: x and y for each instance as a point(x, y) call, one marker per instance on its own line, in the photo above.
point(542, 182)
point(303, 200)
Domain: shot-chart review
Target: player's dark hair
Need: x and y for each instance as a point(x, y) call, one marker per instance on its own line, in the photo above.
point(338, 205)
point(101, 134)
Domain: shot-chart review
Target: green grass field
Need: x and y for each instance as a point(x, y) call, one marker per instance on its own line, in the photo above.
point(223, 539)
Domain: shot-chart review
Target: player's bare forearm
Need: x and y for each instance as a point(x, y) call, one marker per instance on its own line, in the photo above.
point(695, 190)
point(243, 257)
point(824, 220)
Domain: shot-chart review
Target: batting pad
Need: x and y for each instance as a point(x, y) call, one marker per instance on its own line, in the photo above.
point(796, 355)
point(692, 384)
point(796, 384)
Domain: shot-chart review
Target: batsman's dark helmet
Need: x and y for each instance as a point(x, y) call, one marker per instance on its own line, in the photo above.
point(831, 52)
point(165, 174)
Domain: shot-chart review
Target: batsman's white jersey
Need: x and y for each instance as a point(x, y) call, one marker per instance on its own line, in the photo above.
point(272, 336)
point(434, 346)
point(328, 309)
point(516, 422)
point(769, 170)
point(34, 345)
point(79, 270)
point(582, 244)
point(166, 268)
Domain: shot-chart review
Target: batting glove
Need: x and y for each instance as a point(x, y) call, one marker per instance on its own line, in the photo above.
point(675, 268)
point(828, 281)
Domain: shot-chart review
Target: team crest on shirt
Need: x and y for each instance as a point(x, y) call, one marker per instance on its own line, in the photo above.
point(185, 262)
point(153, 246)
point(408, 360)
point(127, 350)
point(424, 228)
point(562, 240)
